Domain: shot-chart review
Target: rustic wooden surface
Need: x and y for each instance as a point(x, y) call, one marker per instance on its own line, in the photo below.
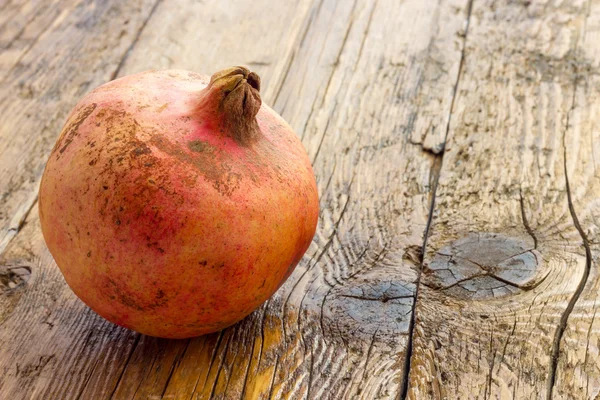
point(456, 145)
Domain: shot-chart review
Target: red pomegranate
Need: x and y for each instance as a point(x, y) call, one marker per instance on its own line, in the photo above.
point(175, 205)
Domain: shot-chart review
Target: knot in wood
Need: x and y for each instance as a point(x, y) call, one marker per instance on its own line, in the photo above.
point(368, 307)
point(484, 265)
point(13, 277)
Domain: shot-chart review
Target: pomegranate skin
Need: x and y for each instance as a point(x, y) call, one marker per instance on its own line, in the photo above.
point(175, 204)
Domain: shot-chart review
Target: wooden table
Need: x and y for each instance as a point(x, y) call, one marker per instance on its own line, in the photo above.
point(456, 145)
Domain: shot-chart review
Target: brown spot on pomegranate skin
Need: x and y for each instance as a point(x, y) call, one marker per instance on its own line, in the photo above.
point(217, 167)
point(72, 129)
point(141, 149)
point(130, 299)
point(124, 177)
point(200, 146)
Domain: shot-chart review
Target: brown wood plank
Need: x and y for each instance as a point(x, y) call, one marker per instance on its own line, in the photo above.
point(19, 32)
point(92, 362)
point(578, 366)
point(81, 49)
point(505, 257)
point(354, 99)
point(351, 79)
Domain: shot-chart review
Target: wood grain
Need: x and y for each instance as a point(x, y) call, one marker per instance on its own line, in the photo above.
point(339, 325)
point(21, 28)
point(41, 87)
point(489, 318)
point(578, 370)
point(486, 110)
point(337, 329)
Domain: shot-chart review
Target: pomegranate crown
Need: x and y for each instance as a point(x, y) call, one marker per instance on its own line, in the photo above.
point(233, 93)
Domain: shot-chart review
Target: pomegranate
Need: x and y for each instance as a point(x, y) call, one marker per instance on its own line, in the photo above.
point(175, 205)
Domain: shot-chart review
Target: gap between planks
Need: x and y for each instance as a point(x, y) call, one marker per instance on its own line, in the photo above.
point(436, 171)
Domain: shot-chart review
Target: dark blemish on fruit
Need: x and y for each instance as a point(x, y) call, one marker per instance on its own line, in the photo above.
point(104, 187)
point(71, 130)
point(199, 146)
point(130, 299)
point(216, 166)
point(203, 263)
point(140, 150)
point(89, 253)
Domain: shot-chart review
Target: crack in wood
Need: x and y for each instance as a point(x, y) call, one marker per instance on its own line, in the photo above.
point(135, 343)
point(526, 222)
point(13, 231)
point(174, 366)
point(220, 367)
point(560, 330)
point(435, 174)
point(115, 74)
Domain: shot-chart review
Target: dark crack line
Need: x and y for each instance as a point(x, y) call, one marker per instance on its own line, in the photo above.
point(587, 348)
point(88, 378)
point(174, 366)
point(219, 368)
point(310, 370)
point(32, 43)
point(412, 323)
point(560, 330)
point(230, 363)
point(245, 384)
point(313, 15)
point(13, 231)
point(368, 356)
point(512, 333)
point(212, 360)
point(488, 389)
point(135, 343)
point(136, 39)
point(383, 299)
point(526, 221)
point(275, 365)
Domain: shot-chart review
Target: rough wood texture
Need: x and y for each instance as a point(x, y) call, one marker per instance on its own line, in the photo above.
point(578, 369)
point(506, 258)
point(80, 49)
point(506, 295)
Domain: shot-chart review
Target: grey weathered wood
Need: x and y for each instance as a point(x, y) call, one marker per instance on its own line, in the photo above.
point(505, 308)
point(489, 323)
point(578, 369)
point(81, 49)
point(23, 25)
point(354, 98)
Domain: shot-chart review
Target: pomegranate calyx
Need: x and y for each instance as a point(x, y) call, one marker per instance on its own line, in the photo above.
point(233, 95)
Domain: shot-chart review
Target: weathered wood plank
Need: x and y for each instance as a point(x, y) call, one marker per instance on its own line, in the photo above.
point(337, 329)
point(80, 50)
point(578, 368)
point(21, 28)
point(505, 257)
point(83, 355)
point(351, 80)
